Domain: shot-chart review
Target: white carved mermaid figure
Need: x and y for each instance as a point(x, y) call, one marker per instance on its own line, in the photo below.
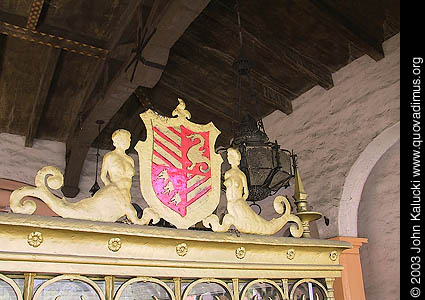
point(110, 203)
point(240, 215)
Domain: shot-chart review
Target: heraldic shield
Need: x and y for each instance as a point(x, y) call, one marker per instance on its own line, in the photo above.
point(180, 173)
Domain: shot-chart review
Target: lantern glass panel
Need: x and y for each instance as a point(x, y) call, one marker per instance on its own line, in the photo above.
point(285, 172)
point(259, 157)
point(260, 162)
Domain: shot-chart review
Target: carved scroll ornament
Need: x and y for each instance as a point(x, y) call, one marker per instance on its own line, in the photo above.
point(180, 179)
point(240, 214)
point(109, 204)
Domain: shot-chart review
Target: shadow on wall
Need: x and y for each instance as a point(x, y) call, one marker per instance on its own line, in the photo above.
point(8, 186)
point(379, 221)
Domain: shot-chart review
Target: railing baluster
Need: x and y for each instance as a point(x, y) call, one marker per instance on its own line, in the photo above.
point(28, 285)
point(235, 295)
point(330, 287)
point(109, 287)
point(178, 288)
point(285, 288)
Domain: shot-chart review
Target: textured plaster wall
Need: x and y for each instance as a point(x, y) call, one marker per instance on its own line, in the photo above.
point(328, 129)
point(379, 221)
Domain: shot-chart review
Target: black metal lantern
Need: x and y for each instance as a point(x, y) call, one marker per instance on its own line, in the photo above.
point(267, 167)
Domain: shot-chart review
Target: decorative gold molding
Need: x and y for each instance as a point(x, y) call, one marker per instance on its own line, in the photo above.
point(306, 280)
point(240, 252)
point(330, 285)
point(145, 279)
point(290, 254)
point(222, 283)
point(51, 40)
point(268, 281)
point(35, 239)
point(333, 255)
point(13, 285)
point(69, 277)
point(61, 254)
point(114, 244)
point(28, 285)
point(181, 249)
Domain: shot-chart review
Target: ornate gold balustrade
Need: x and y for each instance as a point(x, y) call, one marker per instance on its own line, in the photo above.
point(116, 260)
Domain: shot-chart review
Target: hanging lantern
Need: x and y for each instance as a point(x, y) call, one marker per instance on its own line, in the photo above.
point(267, 167)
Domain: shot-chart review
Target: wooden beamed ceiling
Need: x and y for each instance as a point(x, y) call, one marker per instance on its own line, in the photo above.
point(64, 64)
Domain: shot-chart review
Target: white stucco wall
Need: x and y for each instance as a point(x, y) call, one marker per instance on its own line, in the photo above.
point(379, 221)
point(328, 129)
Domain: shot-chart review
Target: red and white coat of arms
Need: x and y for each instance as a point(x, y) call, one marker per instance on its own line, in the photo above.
point(179, 169)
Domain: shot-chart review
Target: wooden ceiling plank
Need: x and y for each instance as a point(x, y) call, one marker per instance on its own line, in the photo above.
point(290, 56)
point(41, 96)
point(178, 15)
point(273, 93)
point(34, 15)
point(272, 97)
point(52, 41)
point(124, 21)
point(193, 94)
point(361, 38)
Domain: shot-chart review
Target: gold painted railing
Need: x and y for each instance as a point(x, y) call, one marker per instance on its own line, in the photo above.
point(65, 259)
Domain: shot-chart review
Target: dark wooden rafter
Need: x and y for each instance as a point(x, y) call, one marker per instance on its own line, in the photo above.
point(102, 66)
point(290, 56)
point(170, 23)
point(71, 189)
point(41, 96)
point(268, 90)
point(34, 15)
point(193, 94)
point(52, 41)
point(369, 44)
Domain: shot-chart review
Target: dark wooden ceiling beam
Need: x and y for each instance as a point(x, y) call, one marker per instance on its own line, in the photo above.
point(369, 44)
point(316, 71)
point(193, 94)
point(42, 92)
point(269, 91)
point(34, 15)
point(290, 56)
point(176, 17)
point(90, 99)
point(52, 41)
point(268, 95)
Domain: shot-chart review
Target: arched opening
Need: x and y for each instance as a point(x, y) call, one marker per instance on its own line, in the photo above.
point(379, 221)
point(357, 177)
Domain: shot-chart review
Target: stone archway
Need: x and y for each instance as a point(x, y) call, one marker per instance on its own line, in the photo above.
point(356, 179)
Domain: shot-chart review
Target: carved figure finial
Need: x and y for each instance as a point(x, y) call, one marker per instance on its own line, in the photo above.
point(180, 111)
point(240, 215)
point(110, 203)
